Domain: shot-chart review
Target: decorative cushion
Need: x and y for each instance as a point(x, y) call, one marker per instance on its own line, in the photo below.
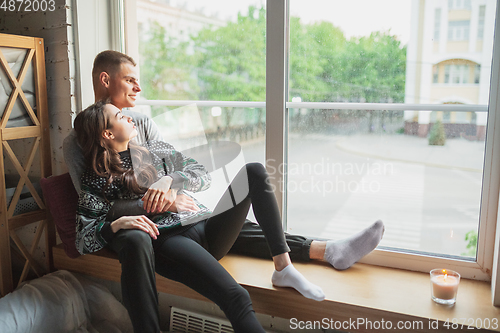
point(61, 199)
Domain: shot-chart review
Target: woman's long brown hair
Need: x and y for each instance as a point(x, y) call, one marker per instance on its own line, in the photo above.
point(89, 126)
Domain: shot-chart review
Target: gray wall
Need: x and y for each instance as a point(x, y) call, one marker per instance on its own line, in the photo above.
point(56, 30)
point(69, 53)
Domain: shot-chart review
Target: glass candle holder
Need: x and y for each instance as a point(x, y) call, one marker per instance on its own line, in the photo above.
point(444, 286)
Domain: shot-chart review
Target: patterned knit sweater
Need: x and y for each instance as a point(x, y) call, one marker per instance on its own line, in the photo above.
point(93, 232)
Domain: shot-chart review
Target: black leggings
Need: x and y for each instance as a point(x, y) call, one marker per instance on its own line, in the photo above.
point(191, 257)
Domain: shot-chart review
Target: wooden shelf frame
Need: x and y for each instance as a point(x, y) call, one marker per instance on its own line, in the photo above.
point(39, 132)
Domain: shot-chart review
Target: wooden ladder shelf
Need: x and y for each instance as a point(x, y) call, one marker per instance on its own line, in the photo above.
point(38, 132)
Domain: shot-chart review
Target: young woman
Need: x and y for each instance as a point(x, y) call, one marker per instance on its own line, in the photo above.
point(178, 237)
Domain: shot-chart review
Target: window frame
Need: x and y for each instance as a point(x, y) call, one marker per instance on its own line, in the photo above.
point(277, 55)
point(481, 268)
point(412, 260)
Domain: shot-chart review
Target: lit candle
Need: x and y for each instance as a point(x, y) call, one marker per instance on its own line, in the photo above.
point(444, 284)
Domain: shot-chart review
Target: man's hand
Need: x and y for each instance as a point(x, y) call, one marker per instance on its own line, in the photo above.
point(140, 222)
point(184, 203)
point(159, 196)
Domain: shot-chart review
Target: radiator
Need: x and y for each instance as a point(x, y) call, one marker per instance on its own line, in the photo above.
point(187, 321)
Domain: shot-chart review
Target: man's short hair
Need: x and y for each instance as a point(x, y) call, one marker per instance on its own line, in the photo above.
point(109, 61)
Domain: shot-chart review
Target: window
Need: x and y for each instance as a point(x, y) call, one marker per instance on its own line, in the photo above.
point(477, 73)
point(459, 4)
point(459, 74)
point(214, 58)
point(480, 23)
point(365, 68)
point(446, 117)
point(458, 30)
point(456, 74)
point(340, 68)
point(347, 177)
point(437, 23)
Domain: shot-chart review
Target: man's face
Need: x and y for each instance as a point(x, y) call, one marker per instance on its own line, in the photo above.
point(124, 86)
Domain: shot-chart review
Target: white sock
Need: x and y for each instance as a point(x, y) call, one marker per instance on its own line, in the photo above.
point(344, 253)
point(291, 277)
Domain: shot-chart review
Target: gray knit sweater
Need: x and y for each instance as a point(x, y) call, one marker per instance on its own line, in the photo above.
point(73, 156)
point(93, 231)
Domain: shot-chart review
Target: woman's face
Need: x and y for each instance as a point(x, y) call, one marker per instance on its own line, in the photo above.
point(120, 126)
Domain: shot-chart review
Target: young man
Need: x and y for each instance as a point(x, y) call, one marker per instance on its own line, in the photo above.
point(114, 77)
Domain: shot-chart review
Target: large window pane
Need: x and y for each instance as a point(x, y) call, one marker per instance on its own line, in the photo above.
point(418, 170)
point(189, 50)
point(192, 53)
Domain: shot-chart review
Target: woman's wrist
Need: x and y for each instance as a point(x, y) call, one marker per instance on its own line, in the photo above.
point(115, 225)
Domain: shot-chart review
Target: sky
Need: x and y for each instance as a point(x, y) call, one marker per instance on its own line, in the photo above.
point(354, 17)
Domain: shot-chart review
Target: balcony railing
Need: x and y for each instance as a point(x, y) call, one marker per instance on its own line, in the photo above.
point(327, 105)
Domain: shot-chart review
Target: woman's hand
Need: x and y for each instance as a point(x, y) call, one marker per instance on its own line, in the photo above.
point(159, 197)
point(184, 203)
point(140, 222)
